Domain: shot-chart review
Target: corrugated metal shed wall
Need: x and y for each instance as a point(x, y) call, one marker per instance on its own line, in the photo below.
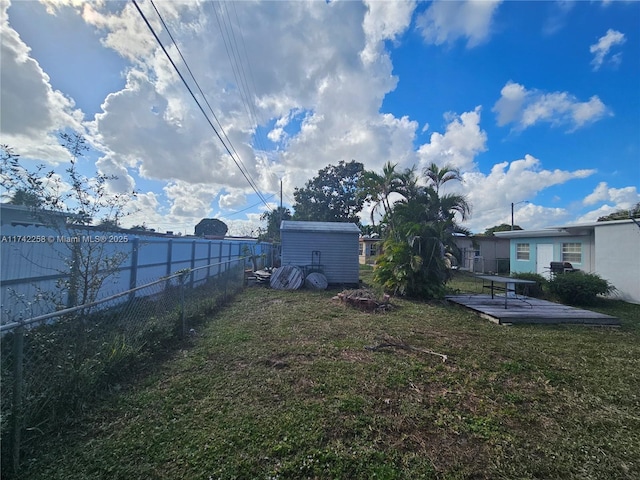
point(336, 242)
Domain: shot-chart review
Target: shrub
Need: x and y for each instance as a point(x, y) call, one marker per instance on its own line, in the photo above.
point(579, 288)
point(536, 290)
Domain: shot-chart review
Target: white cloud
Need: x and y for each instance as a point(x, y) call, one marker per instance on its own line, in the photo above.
point(384, 21)
point(446, 21)
point(146, 209)
point(610, 199)
point(229, 201)
point(190, 201)
point(622, 198)
point(121, 181)
point(32, 111)
point(603, 46)
point(525, 108)
point(458, 146)
point(559, 10)
point(334, 95)
point(491, 194)
point(316, 74)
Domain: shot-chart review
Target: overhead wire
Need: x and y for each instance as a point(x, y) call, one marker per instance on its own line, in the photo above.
point(229, 148)
point(249, 207)
point(243, 166)
point(251, 75)
point(246, 89)
point(233, 57)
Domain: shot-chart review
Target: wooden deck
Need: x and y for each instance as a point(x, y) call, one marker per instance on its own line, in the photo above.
point(529, 310)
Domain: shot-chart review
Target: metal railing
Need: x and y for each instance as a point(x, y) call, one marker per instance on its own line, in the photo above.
point(54, 365)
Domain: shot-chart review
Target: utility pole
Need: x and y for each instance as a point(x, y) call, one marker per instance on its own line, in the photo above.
point(511, 215)
point(512, 204)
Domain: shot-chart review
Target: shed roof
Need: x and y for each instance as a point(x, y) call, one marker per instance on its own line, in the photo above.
point(314, 227)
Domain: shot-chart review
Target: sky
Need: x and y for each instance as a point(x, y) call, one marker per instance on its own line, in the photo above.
point(536, 103)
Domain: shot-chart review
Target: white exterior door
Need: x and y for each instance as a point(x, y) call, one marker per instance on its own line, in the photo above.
point(544, 257)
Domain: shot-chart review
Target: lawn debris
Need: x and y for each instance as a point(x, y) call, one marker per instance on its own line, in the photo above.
point(364, 299)
point(391, 343)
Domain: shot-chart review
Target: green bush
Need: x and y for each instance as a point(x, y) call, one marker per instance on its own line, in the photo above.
point(537, 290)
point(579, 288)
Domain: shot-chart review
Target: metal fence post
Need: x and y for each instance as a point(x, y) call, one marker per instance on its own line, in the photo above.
point(18, 399)
point(193, 262)
point(169, 256)
point(133, 274)
point(183, 317)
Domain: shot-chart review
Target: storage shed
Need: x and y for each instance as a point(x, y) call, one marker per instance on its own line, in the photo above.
point(328, 247)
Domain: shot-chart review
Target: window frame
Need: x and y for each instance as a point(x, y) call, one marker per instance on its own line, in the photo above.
point(520, 253)
point(571, 256)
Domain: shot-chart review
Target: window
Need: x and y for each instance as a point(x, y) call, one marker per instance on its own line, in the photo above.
point(373, 249)
point(572, 252)
point(361, 248)
point(522, 251)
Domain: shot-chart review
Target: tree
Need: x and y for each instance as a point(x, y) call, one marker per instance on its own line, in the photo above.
point(332, 196)
point(142, 228)
point(439, 176)
point(273, 219)
point(67, 208)
point(371, 230)
point(109, 224)
point(211, 227)
point(378, 188)
point(633, 212)
point(416, 257)
point(24, 197)
point(503, 227)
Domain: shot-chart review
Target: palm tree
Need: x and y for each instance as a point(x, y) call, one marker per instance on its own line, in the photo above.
point(414, 260)
point(439, 176)
point(379, 188)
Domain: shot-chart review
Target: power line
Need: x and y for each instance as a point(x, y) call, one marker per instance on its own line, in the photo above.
point(244, 174)
point(242, 165)
point(251, 76)
point(237, 66)
point(249, 208)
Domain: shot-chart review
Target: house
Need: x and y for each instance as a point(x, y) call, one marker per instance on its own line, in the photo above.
point(369, 248)
point(609, 249)
point(479, 253)
point(483, 253)
point(328, 247)
point(25, 216)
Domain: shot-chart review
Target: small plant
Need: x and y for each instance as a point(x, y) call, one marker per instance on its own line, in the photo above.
point(536, 290)
point(579, 288)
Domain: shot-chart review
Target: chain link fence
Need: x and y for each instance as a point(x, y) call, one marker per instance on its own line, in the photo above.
point(55, 365)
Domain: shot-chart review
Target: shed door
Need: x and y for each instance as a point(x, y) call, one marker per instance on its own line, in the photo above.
point(544, 257)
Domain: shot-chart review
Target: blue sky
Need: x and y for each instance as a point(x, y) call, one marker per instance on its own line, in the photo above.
point(532, 101)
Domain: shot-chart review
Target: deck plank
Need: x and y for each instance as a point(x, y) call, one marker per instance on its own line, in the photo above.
point(529, 310)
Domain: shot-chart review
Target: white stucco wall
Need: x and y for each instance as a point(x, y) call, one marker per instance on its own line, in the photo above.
point(617, 257)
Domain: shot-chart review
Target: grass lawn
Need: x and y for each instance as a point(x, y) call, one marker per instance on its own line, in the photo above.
point(280, 385)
